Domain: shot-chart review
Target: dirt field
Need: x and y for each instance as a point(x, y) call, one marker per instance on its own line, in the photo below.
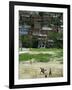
point(29, 70)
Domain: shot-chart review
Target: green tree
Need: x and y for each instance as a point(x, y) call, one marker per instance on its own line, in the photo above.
point(57, 20)
point(34, 42)
point(57, 38)
point(26, 41)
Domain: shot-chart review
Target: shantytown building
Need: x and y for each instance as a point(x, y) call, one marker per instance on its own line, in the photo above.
point(39, 25)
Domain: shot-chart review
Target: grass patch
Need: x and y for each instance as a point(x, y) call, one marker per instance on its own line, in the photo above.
point(46, 49)
point(58, 55)
point(38, 57)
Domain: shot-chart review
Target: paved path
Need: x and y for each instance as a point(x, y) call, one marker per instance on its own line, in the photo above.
point(36, 52)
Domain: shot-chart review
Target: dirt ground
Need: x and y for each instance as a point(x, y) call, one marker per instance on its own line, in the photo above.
point(29, 70)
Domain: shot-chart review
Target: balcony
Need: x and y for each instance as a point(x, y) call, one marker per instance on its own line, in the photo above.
point(46, 28)
point(39, 34)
